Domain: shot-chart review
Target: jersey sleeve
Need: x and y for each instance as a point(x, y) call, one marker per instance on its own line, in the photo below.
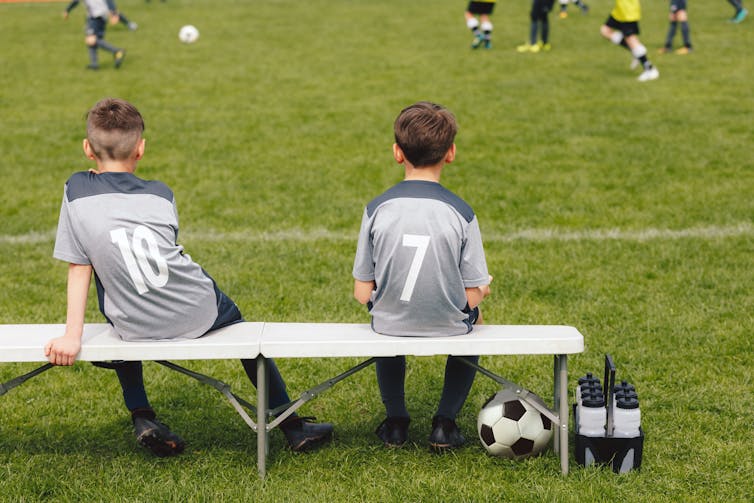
point(473, 262)
point(67, 246)
point(363, 266)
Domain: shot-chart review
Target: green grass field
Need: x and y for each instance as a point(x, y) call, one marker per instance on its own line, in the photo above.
point(624, 209)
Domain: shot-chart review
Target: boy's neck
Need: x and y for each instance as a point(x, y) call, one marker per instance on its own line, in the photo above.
point(115, 167)
point(425, 173)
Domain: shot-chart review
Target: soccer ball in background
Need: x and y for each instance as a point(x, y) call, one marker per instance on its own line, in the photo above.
point(511, 428)
point(188, 34)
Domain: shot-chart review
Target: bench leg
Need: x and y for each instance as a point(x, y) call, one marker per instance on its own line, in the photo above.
point(262, 405)
point(7, 386)
point(560, 440)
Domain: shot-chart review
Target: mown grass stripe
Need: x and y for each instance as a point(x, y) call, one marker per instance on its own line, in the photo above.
point(538, 235)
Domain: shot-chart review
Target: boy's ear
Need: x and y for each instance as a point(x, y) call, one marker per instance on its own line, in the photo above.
point(450, 155)
point(140, 147)
point(88, 150)
point(398, 154)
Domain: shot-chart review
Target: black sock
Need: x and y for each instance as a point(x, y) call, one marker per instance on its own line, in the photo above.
point(92, 55)
point(671, 34)
point(686, 33)
point(533, 33)
point(458, 380)
point(391, 376)
point(736, 5)
point(106, 46)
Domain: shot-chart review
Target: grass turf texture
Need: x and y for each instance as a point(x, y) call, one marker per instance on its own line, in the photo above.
point(621, 208)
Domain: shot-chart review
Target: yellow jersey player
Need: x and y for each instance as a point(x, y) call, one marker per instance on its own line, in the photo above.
point(622, 28)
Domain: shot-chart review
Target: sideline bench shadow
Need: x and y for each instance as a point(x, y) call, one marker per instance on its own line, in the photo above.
point(260, 340)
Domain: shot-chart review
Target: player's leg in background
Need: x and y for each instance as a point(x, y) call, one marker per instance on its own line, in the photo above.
point(582, 6)
point(486, 26)
point(683, 19)
point(672, 27)
point(639, 51)
point(532, 46)
point(740, 14)
point(472, 23)
point(91, 44)
point(563, 9)
point(545, 24)
point(127, 22)
point(96, 28)
point(613, 36)
point(103, 44)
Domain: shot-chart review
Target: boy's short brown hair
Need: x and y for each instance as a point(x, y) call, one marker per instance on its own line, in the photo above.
point(425, 132)
point(113, 128)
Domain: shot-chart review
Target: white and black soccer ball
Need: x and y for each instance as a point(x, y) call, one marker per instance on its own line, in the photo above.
point(188, 34)
point(511, 428)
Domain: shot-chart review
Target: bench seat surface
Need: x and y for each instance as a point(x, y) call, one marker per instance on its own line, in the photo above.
point(25, 343)
point(301, 340)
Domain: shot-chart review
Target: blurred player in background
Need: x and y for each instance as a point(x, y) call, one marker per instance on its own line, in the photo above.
point(678, 15)
point(564, 7)
point(622, 28)
point(539, 15)
point(98, 12)
point(478, 21)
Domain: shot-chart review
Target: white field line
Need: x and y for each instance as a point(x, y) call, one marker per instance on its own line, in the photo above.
point(531, 235)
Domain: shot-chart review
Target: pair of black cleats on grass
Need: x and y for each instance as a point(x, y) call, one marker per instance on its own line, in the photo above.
point(301, 433)
point(393, 432)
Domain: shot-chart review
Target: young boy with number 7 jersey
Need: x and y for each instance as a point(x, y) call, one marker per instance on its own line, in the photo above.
point(124, 230)
point(421, 270)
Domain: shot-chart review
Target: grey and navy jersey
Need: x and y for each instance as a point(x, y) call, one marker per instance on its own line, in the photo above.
point(95, 8)
point(421, 245)
point(126, 228)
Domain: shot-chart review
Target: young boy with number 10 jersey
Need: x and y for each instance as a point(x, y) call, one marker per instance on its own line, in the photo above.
point(125, 230)
point(420, 268)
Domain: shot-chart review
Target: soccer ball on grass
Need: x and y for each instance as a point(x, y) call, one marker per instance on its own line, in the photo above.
point(188, 34)
point(511, 428)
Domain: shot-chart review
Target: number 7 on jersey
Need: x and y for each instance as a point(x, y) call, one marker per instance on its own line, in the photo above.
point(421, 243)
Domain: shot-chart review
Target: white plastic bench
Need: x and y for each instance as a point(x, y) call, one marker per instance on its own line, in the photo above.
point(25, 343)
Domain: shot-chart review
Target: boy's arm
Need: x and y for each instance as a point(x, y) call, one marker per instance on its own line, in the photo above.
point(362, 290)
point(63, 350)
point(475, 295)
point(70, 7)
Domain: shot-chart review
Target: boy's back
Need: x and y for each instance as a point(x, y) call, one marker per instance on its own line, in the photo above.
point(421, 245)
point(420, 268)
point(127, 228)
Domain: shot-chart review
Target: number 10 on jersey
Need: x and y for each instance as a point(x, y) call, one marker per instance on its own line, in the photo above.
point(135, 253)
